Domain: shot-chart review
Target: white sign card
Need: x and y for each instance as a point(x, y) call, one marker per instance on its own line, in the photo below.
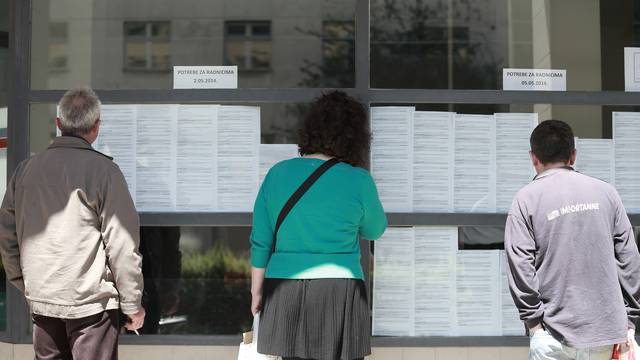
point(205, 77)
point(3, 117)
point(534, 79)
point(632, 69)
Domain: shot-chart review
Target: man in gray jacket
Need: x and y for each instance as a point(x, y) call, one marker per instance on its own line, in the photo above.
point(69, 240)
point(574, 267)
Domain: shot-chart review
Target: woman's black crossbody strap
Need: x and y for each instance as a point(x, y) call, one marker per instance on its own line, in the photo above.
point(298, 194)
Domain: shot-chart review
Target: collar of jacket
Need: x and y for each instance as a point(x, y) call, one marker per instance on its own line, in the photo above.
point(73, 142)
point(553, 171)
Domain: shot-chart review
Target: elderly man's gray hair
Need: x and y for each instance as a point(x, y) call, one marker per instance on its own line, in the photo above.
point(79, 111)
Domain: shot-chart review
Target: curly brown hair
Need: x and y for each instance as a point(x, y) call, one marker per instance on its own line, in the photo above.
point(336, 125)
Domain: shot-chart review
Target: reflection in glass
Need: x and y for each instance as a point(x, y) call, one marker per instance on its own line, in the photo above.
point(162, 267)
point(134, 44)
point(338, 53)
point(147, 45)
point(481, 237)
point(58, 51)
point(248, 45)
point(465, 44)
point(433, 44)
point(196, 280)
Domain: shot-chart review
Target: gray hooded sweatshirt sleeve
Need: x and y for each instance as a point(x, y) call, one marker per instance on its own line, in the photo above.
point(573, 262)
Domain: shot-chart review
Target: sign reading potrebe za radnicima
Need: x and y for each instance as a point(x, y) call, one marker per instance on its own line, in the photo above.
point(205, 77)
point(534, 79)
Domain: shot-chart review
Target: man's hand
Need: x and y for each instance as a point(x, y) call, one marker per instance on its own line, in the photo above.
point(533, 330)
point(625, 350)
point(135, 321)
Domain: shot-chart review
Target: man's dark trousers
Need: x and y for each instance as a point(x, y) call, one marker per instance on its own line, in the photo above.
point(93, 337)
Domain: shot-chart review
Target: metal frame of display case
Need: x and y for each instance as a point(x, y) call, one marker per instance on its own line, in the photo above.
point(21, 97)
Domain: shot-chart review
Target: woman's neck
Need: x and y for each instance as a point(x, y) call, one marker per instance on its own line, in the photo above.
point(318, 156)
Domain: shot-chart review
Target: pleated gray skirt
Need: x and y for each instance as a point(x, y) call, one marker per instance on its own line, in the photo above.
point(323, 319)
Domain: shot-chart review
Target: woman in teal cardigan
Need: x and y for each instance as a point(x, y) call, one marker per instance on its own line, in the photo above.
point(310, 292)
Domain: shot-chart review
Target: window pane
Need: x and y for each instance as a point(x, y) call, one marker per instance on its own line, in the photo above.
point(237, 53)
point(463, 44)
point(136, 55)
point(278, 123)
point(236, 29)
point(263, 29)
point(135, 28)
point(432, 283)
point(250, 52)
point(197, 280)
point(481, 238)
point(260, 55)
point(58, 56)
point(58, 30)
point(463, 159)
point(587, 121)
point(215, 164)
point(339, 30)
point(162, 29)
point(161, 56)
point(286, 38)
point(337, 53)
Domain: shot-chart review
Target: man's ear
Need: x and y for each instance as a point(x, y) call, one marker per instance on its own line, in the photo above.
point(96, 126)
point(534, 159)
point(572, 159)
point(58, 123)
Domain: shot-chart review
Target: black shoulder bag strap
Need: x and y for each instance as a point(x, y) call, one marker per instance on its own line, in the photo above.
point(298, 194)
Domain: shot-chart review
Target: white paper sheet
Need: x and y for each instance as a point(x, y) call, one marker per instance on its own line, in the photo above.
point(626, 139)
point(196, 158)
point(238, 157)
point(433, 161)
point(475, 163)
point(478, 293)
point(117, 138)
point(392, 156)
point(513, 165)
point(631, 69)
point(271, 154)
point(156, 153)
point(510, 319)
point(595, 158)
point(393, 284)
point(435, 280)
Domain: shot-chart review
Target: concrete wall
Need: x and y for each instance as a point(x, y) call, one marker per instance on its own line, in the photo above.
point(132, 352)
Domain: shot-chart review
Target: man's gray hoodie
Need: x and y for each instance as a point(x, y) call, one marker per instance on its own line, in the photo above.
point(573, 262)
